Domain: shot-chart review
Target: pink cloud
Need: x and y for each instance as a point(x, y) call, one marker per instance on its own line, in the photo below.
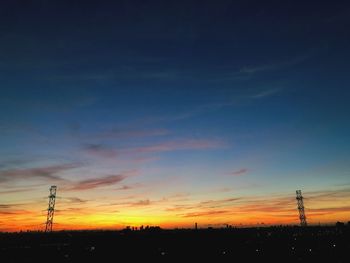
point(100, 181)
point(239, 172)
point(143, 159)
point(100, 150)
point(124, 187)
point(47, 172)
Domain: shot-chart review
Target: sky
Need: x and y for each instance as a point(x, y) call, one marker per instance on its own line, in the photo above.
point(173, 112)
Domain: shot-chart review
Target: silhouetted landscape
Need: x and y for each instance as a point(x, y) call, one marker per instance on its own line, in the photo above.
point(277, 244)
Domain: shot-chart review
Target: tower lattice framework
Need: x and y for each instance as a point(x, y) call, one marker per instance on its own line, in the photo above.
point(51, 208)
point(301, 209)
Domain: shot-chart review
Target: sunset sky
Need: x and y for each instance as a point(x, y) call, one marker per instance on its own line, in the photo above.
point(173, 112)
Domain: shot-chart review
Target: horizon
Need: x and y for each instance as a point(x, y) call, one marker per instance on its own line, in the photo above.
point(154, 113)
point(151, 228)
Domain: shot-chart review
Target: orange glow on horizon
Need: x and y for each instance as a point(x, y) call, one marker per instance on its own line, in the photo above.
point(278, 211)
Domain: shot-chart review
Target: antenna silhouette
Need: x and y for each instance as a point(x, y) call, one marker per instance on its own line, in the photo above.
point(302, 215)
point(51, 209)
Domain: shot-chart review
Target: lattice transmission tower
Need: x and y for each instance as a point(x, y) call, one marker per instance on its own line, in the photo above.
point(302, 215)
point(51, 209)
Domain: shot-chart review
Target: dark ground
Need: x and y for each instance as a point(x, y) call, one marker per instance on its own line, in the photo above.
point(276, 244)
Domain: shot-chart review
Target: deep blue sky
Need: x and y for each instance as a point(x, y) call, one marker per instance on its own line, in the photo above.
point(252, 95)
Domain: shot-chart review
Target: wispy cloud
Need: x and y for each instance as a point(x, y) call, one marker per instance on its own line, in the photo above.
point(221, 202)
point(100, 181)
point(15, 212)
point(329, 210)
point(100, 150)
point(176, 197)
point(274, 65)
point(131, 204)
point(5, 206)
point(190, 113)
point(144, 159)
point(238, 99)
point(324, 196)
point(274, 209)
point(76, 211)
point(141, 203)
point(179, 145)
point(76, 200)
point(16, 190)
point(166, 146)
point(14, 163)
point(205, 213)
point(239, 172)
point(128, 187)
point(206, 205)
point(46, 173)
point(266, 93)
point(132, 133)
point(124, 187)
